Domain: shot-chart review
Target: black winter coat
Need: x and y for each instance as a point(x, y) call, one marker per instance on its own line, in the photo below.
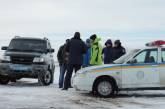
point(108, 53)
point(76, 49)
point(60, 55)
point(118, 52)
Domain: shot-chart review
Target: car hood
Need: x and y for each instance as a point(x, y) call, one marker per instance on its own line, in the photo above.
point(25, 54)
point(100, 68)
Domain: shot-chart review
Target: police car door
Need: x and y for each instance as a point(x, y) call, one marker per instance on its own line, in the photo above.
point(162, 68)
point(144, 72)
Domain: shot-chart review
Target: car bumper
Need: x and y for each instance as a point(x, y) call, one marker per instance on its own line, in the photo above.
point(82, 83)
point(10, 69)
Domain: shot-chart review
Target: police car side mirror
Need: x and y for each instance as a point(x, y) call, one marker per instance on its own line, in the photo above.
point(50, 50)
point(132, 61)
point(4, 48)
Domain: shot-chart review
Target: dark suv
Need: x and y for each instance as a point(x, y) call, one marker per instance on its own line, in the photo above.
point(27, 58)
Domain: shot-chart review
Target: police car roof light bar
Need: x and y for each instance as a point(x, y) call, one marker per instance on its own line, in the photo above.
point(156, 43)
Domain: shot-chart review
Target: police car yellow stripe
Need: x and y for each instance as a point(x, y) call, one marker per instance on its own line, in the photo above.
point(162, 65)
point(107, 69)
point(130, 67)
point(125, 67)
point(119, 68)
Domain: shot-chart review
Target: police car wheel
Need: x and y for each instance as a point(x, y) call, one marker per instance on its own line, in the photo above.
point(45, 78)
point(4, 80)
point(105, 88)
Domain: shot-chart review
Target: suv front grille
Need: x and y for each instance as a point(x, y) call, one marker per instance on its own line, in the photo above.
point(22, 60)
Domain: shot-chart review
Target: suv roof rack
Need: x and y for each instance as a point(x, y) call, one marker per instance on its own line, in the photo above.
point(46, 39)
point(17, 36)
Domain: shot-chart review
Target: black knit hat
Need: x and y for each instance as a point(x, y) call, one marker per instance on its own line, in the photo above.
point(93, 37)
point(67, 40)
point(118, 42)
point(77, 35)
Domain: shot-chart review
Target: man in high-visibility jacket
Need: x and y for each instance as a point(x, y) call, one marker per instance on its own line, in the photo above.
point(96, 51)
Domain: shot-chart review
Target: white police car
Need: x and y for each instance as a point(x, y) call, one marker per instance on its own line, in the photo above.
point(140, 69)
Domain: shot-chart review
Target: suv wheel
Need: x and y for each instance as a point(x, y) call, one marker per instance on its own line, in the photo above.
point(4, 80)
point(45, 78)
point(104, 88)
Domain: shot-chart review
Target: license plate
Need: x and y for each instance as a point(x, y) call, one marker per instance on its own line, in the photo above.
point(19, 67)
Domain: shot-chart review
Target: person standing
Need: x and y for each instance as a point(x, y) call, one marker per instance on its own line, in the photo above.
point(76, 49)
point(87, 56)
point(63, 61)
point(119, 50)
point(96, 51)
point(108, 52)
point(60, 60)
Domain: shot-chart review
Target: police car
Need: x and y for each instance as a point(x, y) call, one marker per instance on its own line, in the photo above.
point(140, 69)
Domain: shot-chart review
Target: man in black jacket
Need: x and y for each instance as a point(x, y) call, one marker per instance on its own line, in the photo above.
point(63, 62)
point(119, 50)
point(76, 49)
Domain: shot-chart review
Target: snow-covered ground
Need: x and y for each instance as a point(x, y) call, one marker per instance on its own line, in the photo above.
point(26, 94)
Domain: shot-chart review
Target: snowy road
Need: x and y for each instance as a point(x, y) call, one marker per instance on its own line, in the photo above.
point(26, 94)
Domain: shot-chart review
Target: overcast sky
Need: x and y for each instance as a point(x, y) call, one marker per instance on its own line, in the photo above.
point(59, 19)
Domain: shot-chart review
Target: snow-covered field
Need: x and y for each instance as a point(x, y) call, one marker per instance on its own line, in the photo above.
point(26, 94)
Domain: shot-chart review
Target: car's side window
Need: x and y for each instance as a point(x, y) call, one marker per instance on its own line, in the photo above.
point(141, 57)
point(163, 55)
point(147, 56)
point(153, 57)
point(48, 45)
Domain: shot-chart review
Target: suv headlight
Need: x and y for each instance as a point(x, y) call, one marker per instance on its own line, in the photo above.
point(5, 59)
point(38, 60)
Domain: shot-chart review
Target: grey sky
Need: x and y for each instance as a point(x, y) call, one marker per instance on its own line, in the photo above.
point(133, 21)
point(59, 16)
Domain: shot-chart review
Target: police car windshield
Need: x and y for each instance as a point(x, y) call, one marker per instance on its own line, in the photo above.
point(125, 57)
point(29, 45)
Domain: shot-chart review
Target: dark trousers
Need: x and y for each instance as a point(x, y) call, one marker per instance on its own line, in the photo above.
point(63, 69)
point(70, 69)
